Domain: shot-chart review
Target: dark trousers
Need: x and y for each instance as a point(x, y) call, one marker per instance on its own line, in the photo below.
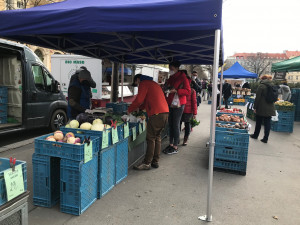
point(267, 124)
point(218, 101)
point(174, 124)
point(187, 130)
point(226, 102)
point(156, 124)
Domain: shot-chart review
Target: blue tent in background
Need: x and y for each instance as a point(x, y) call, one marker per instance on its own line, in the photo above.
point(236, 71)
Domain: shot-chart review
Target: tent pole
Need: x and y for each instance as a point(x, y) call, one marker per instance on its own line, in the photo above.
point(114, 82)
point(221, 87)
point(208, 216)
point(122, 80)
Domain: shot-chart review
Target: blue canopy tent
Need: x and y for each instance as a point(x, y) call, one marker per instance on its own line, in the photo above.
point(128, 31)
point(236, 71)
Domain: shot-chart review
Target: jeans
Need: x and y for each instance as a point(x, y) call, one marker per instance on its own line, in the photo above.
point(187, 130)
point(156, 124)
point(174, 124)
point(267, 124)
point(203, 94)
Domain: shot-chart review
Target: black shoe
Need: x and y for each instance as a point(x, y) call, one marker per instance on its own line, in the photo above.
point(155, 165)
point(253, 136)
point(264, 141)
point(172, 151)
point(167, 149)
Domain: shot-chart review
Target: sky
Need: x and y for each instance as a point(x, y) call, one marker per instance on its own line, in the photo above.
point(261, 26)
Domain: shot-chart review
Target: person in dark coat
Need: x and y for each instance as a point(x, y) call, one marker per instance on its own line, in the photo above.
point(263, 110)
point(226, 91)
point(246, 85)
point(196, 85)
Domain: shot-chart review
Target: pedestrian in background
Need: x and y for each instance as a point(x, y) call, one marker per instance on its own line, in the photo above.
point(263, 107)
point(227, 91)
point(204, 89)
point(178, 88)
point(285, 91)
point(209, 90)
point(190, 111)
point(196, 85)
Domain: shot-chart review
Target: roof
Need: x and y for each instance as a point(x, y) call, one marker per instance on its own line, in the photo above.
point(132, 31)
point(291, 54)
point(267, 55)
point(237, 71)
point(291, 65)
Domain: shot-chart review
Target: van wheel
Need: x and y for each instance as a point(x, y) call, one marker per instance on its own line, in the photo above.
point(58, 119)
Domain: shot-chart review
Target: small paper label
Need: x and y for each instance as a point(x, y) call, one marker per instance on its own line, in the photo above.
point(115, 138)
point(104, 139)
point(133, 133)
point(88, 152)
point(14, 182)
point(126, 130)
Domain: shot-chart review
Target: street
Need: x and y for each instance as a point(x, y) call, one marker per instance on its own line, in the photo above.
point(176, 192)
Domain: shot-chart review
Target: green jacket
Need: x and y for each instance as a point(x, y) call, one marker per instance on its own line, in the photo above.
point(262, 107)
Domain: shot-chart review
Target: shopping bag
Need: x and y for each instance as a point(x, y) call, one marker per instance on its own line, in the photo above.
point(275, 118)
point(176, 101)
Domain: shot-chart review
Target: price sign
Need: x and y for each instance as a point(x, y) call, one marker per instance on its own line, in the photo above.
point(126, 130)
point(88, 152)
point(104, 139)
point(115, 138)
point(140, 128)
point(133, 133)
point(14, 182)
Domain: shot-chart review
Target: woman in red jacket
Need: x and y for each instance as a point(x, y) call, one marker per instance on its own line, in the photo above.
point(178, 88)
point(190, 110)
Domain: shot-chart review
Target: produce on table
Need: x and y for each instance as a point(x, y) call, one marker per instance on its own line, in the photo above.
point(77, 141)
point(50, 138)
point(97, 121)
point(284, 103)
point(107, 126)
point(234, 110)
point(230, 118)
point(58, 135)
point(68, 126)
point(86, 126)
point(98, 127)
point(74, 124)
point(71, 140)
point(234, 126)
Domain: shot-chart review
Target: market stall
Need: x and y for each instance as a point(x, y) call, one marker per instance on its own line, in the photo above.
point(109, 30)
point(290, 65)
point(240, 95)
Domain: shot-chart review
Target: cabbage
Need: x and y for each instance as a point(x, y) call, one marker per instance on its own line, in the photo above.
point(98, 127)
point(97, 121)
point(68, 126)
point(86, 126)
point(74, 124)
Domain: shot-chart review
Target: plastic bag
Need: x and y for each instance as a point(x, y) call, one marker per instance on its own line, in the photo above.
point(176, 101)
point(275, 118)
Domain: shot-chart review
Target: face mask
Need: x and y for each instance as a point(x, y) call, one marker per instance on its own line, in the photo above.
point(194, 77)
point(172, 72)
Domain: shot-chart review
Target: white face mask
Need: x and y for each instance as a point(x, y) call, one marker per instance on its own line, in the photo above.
point(171, 72)
point(194, 77)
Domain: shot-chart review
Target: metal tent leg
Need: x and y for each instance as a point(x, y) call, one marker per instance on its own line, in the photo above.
point(208, 216)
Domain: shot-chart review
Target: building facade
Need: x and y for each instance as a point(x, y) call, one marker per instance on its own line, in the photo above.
point(43, 53)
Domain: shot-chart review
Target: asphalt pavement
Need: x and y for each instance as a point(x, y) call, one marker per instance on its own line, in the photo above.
point(176, 192)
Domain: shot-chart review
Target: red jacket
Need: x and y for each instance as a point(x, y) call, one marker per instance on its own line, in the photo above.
point(152, 98)
point(191, 103)
point(181, 84)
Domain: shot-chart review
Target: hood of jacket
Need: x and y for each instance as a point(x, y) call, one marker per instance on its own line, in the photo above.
point(144, 77)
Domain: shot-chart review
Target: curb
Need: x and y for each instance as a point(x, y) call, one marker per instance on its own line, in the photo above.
point(16, 145)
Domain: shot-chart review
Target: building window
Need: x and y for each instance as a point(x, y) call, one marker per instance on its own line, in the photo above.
point(20, 5)
point(297, 77)
point(289, 78)
point(39, 53)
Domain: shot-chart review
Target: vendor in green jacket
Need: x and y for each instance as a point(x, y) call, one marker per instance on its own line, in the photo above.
point(264, 110)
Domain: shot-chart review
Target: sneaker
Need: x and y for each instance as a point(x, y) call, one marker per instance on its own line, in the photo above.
point(264, 141)
point(155, 165)
point(172, 151)
point(142, 166)
point(253, 136)
point(167, 149)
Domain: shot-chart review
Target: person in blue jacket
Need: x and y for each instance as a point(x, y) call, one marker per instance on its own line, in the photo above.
point(79, 92)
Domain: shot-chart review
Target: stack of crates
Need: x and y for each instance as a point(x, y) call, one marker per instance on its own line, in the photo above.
point(118, 108)
point(4, 165)
point(3, 104)
point(296, 100)
point(285, 121)
point(250, 111)
point(231, 149)
point(61, 174)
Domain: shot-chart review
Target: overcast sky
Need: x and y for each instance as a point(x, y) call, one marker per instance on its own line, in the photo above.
point(261, 25)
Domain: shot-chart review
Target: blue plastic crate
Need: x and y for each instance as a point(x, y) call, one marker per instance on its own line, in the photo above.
point(91, 133)
point(119, 108)
point(286, 115)
point(46, 180)
point(209, 102)
point(132, 125)
point(232, 130)
point(278, 127)
point(3, 113)
point(3, 99)
point(231, 153)
point(107, 170)
point(233, 114)
point(231, 165)
point(3, 119)
point(110, 104)
point(63, 150)
point(3, 107)
point(120, 132)
point(232, 139)
point(121, 160)
point(4, 165)
point(78, 185)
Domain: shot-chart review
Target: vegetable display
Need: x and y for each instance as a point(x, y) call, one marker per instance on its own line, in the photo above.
point(69, 138)
point(230, 118)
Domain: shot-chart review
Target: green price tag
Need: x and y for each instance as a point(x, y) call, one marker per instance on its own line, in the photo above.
point(88, 152)
point(115, 138)
point(126, 130)
point(94, 90)
point(133, 133)
point(140, 128)
point(104, 139)
point(144, 125)
point(14, 182)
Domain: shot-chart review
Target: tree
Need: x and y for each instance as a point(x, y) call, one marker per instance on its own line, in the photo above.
point(36, 2)
point(257, 63)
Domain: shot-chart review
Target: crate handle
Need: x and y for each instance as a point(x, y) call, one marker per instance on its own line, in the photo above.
point(228, 148)
point(57, 145)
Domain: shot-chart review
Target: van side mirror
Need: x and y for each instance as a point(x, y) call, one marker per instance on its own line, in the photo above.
point(54, 86)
